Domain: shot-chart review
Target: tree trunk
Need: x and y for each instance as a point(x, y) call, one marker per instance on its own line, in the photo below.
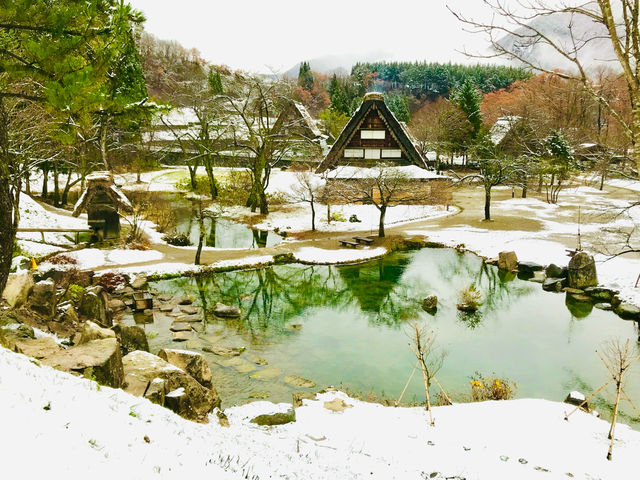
point(524, 190)
point(56, 186)
point(487, 203)
point(201, 236)
point(67, 187)
point(45, 182)
point(103, 144)
point(7, 223)
point(313, 217)
point(383, 212)
point(213, 188)
point(192, 176)
point(27, 181)
point(328, 212)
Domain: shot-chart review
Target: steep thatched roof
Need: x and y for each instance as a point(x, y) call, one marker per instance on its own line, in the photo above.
point(98, 182)
point(373, 101)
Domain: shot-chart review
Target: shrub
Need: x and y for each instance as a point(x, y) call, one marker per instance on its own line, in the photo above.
point(110, 281)
point(74, 294)
point(469, 298)
point(202, 185)
point(63, 260)
point(490, 388)
point(177, 239)
point(338, 216)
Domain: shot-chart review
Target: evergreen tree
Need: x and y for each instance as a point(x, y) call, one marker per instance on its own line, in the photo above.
point(305, 76)
point(399, 105)
point(468, 99)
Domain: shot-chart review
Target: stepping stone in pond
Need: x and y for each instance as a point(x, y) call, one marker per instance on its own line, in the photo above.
point(259, 395)
point(240, 364)
point(193, 345)
point(224, 351)
point(188, 318)
point(580, 298)
point(165, 297)
point(523, 461)
point(257, 360)
point(212, 338)
point(298, 382)
point(189, 309)
point(180, 327)
point(181, 336)
point(294, 327)
point(266, 373)
point(166, 307)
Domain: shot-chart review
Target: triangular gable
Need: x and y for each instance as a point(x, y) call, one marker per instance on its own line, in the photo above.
point(373, 104)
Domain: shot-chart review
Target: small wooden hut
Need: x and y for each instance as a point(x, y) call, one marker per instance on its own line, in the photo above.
point(102, 200)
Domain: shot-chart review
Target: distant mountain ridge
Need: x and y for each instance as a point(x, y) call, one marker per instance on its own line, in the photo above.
point(338, 63)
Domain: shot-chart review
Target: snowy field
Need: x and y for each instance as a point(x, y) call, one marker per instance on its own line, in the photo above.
point(60, 426)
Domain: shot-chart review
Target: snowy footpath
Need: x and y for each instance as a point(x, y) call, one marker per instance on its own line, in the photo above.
point(56, 425)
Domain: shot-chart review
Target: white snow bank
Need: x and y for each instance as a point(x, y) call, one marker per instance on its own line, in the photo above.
point(177, 268)
point(72, 427)
point(410, 171)
point(346, 255)
point(90, 258)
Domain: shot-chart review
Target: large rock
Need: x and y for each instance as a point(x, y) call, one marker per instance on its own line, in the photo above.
point(191, 362)
point(18, 288)
point(94, 306)
point(554, 271)
point(430, 304)
point(529, 268)
point(142, 371)
point(139, 282)
point(507, 261)
point(43, 298)
point(92, 331)
point(226, 311)
point(581, 272)
point(132, 338)
point(37, 347)
point(99, 360)
point(628, 311)
point(280, 418)
point(299, 382)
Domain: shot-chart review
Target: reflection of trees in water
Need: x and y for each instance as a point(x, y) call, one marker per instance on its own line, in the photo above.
point(270, 297)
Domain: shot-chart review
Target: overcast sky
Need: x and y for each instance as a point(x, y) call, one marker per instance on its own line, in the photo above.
point(257, 35)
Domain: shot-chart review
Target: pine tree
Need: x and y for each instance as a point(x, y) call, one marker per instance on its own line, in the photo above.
point(468, 99)
point(305, 76)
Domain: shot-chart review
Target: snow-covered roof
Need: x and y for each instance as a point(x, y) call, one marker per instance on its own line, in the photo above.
point(502, 126)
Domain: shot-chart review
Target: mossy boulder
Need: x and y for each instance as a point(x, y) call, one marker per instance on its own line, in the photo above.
point(600, 293)
point(43, 298)
point(581, 272)
point(74, 295)
point(92, 331)
point(18, 289)
point(179, 390)
point(94, 306)
point(554, 271)
point(132, 338)
point(430, 304)
point(191, 362)
point(627, 311)
point(280, 418)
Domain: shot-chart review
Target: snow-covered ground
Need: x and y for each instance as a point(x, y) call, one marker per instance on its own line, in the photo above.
point(325, 256)
point(297, 218)
point(59, 426)
point(34, 215)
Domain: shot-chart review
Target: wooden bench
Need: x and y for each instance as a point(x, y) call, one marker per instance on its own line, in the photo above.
point(363, 240)
point(348, 243)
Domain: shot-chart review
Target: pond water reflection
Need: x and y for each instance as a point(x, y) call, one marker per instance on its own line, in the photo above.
point(348, 325)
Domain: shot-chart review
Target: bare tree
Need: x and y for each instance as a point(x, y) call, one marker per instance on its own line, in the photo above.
point(255, 103)
point(430, 360)
point(516, 27)
point(308, 189)
point(618, 358)
point(383, 187)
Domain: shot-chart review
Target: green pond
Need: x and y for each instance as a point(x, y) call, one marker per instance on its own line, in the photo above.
point(219, 232)
point(348, 326)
